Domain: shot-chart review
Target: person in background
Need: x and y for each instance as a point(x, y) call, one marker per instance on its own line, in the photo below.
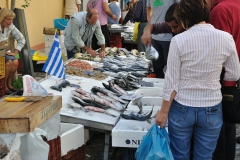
point(156, 11)
point(79, 32)
point(225, 17)
point(130, 7)
point(102, 7)
point(71, 7)
point(140, 15)
point(7, 28)
point(115, 9)
point(194, 68)
point(171, 25)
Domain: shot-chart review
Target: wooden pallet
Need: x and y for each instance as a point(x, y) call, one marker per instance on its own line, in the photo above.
point(17, 117)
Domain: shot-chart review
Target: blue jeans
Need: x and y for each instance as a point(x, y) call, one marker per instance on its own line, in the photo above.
point(201, 123)
point(162, 47)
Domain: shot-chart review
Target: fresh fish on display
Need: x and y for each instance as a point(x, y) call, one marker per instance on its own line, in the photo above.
point(122, 91)
point(99, 69)
point(81, 91)
point(80, 101)
point(76, 105)
point(95, 109)
point(96, 101)
point(112, 74)
point(112, 88)
point(142, 117)
point(60, 85)
point(115, 103)
point(75, 85)
point(102, 90)
point(137, 74)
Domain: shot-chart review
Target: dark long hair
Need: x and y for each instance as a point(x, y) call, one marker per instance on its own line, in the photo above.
point(191, 12)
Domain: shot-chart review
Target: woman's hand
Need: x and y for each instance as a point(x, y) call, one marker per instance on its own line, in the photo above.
point(161, 118)
point(10, 53)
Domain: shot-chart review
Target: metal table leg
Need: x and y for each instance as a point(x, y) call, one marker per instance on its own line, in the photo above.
point(106, 147)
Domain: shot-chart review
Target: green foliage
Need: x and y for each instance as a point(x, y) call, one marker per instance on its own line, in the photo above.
point(27, 4)
point(17, 83)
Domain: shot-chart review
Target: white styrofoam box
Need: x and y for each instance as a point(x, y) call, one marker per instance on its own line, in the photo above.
point(124, 135)
point(150, 92)
point(51, 38)
point(153, 80)
point(72, 137)
point(157, 82)
point(147, 103)
point(48, 44)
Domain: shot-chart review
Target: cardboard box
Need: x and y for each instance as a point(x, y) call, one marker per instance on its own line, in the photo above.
point(51, 31)
point(150, 92)
point(18, 117)
point(124, 135)
point(51, 38)
point(48, 44)
point(72, 137)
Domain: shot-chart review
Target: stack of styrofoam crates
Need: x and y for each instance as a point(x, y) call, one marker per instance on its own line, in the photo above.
point(2, 69)
point(49, 38)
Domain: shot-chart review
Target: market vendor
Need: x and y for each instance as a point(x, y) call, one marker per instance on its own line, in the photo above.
point(7, 28)
point(79, 31)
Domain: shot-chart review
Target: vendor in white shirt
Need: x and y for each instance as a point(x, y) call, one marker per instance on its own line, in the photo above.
point(7, 28)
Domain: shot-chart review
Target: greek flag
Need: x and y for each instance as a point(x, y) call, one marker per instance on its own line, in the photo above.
point(54, 64)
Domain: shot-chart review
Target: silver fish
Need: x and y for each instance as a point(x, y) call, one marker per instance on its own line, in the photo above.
point(76, 105)
point(95, 109)
point(120, 89)
point(81, 91)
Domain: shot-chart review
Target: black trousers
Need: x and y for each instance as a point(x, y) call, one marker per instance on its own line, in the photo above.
point(106, 34)
point(226, 145)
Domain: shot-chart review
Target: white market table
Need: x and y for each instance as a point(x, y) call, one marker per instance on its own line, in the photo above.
point(97, 121)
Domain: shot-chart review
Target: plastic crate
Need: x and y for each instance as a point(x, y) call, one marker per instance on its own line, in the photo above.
point(115, 38)
point(2, 87)
point(129, 153)
point(118, 45)
point(54, 149)
point(77, 154)
point(2, 67)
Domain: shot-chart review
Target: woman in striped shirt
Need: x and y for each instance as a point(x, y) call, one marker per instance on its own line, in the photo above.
point(192, 96)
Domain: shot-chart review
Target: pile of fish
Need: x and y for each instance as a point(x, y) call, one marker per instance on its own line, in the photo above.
point(127, 82)
point(118, 66)
point(100, 100)
point(110, 52)
point(140, 116)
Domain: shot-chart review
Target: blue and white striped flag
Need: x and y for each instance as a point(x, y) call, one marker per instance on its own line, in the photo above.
point(54, 64)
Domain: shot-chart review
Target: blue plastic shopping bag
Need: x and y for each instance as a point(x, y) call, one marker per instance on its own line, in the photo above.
point(154, 145)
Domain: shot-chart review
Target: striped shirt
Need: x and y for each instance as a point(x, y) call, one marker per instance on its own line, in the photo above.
point(15, 33)
point(194, 65)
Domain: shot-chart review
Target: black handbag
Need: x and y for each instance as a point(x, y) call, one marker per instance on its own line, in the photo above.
point(231, 103)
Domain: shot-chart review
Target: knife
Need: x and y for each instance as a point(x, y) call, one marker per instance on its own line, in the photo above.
point(23, 98)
